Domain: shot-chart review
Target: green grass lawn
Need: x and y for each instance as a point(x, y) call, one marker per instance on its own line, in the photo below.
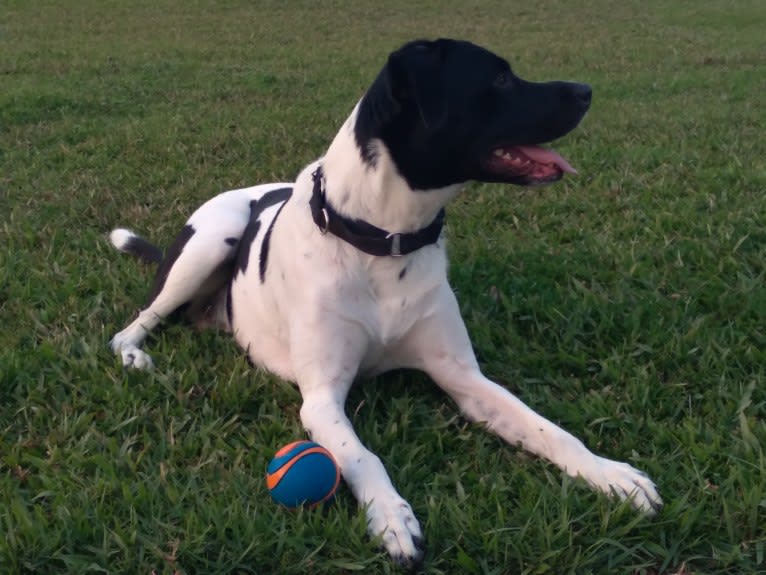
point(627, 304)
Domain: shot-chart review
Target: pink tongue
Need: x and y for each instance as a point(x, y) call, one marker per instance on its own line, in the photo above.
point(546, 156)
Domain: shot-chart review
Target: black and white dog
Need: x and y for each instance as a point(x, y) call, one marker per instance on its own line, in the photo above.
point(344, 271)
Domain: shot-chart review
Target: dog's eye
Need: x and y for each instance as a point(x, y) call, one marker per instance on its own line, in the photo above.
point(502, 80)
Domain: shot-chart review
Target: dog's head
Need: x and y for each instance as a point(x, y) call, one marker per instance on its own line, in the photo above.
point(449, 111)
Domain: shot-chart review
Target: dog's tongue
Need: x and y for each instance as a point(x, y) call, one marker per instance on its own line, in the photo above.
point(546, 156)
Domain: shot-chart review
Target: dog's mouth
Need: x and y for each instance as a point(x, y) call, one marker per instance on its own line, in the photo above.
point(528, 165)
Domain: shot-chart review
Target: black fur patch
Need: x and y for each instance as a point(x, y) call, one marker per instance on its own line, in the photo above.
point(229, 311)
point(247, 239)
point(143, 249)
point(402, 273)
point(254, 226)
point(440, 108)
point(231, 241)
point(264, 261)
point(171, 255)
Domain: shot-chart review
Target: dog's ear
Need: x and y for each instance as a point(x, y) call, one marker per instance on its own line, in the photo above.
point(410, 80)
point(414, 78)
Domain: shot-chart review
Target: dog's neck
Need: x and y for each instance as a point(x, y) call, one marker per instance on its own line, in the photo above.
point(377, 193)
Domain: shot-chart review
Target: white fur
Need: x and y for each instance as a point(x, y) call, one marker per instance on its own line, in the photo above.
point(327, 312)
point(120, 238)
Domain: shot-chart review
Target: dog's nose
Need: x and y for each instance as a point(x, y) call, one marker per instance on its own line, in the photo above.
point(582, 94)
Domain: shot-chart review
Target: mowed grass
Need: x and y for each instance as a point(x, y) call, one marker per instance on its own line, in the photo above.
point(627, 304)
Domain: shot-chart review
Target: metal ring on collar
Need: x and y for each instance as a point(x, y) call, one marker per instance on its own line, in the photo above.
point(396, 249)
point(323, 229)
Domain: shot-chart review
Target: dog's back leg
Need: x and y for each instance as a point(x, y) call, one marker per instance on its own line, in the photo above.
point(194, 270)
point(185, 276)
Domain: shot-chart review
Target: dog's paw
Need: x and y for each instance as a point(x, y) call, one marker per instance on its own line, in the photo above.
point(393, 521)
point(627, 483)
point(132, 357)
point(124, 345)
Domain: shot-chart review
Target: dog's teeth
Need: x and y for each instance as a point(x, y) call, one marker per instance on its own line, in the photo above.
point(498, 152)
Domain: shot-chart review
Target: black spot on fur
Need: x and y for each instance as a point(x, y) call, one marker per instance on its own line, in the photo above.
point(253, 227)
point(402, 273)
point(171, 256)
point(232, 241)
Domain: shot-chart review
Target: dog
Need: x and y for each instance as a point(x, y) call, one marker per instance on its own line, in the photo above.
point(342, 273)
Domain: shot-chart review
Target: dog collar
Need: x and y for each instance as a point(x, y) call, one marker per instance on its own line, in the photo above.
point(363, 235)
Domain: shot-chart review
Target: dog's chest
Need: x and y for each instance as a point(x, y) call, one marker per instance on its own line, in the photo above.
point(395, 301)
point(396, 296)
point(379, 302)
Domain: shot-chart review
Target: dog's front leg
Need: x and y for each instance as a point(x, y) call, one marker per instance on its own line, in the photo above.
point(441, 347)
point(324, 379)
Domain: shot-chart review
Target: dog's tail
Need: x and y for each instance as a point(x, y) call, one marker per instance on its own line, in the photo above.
point(133, 244)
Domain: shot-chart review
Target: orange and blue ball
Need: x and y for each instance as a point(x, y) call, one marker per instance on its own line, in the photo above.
point(302, 473)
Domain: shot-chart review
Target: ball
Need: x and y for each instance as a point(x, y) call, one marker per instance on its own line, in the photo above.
point(302, 473)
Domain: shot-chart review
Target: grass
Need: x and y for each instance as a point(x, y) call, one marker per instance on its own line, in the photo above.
point(627, 304)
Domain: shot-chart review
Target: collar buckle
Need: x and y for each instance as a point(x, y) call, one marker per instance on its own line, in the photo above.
point(396, 244)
